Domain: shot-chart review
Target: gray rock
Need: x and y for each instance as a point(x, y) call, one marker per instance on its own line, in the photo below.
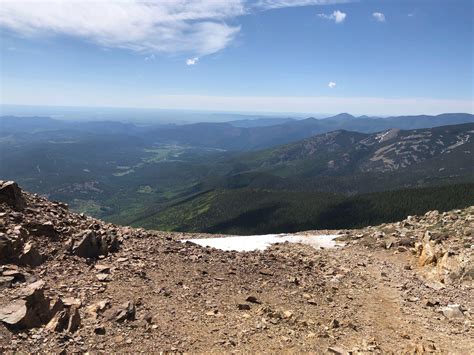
point(92, 245)
point(6, 281)
point(452, 311)
point(103, 269)
point(30, 255)
point(14, 314)
point(252, 299)
point(6, 248)
point(243, 306)
point(67, 319)
point(29, 312)
point(45, 229)
point(11, 194)
point(337, 350)
point(89, 246)
point(121, 313)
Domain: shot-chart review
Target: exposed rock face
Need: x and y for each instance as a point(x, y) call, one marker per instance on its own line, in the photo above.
point(11, 194)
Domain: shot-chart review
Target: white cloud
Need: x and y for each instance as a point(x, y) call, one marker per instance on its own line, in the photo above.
point(277, 4)
point(192, 61)
point(150, 26)
point(150, 58)
point(337, 16)
point(165, 26)
point(332, 85)
point(378, 16)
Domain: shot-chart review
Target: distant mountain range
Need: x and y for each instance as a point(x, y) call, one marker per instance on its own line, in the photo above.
point(237, 138)
point(241, 135)
point(222, 176)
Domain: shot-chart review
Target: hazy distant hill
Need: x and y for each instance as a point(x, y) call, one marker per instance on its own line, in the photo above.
point(230, 137)
point(260, 122)
point(241, 135)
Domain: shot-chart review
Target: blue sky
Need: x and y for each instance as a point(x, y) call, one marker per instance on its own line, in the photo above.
point(363, 57)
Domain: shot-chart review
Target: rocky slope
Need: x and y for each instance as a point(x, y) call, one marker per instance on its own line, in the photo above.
point(446, 147)
point(70, 282)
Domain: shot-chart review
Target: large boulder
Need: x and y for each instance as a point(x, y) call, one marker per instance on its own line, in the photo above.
point(11, 246)
point(31, 311)
point(91, 245)
point(30, 255)
point(11, 194)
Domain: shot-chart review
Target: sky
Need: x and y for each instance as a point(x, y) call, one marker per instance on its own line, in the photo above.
point(375, 57)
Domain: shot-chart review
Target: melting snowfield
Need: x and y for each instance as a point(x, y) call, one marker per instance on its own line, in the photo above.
point(262, 242)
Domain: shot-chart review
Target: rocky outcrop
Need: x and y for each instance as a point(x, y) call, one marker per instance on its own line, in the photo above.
point(33, 309)
point(443, 243)
point(11, 194)
point(28, 235)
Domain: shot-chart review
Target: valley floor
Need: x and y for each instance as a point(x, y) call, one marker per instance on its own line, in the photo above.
point(383, 292)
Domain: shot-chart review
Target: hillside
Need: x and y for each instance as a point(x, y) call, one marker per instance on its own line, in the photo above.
point(73, 283)
point(307, 184)
point(344, 152)
point(261, 211)
point(127, 174)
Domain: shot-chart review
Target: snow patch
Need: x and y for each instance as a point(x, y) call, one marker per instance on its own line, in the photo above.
point(262, 242)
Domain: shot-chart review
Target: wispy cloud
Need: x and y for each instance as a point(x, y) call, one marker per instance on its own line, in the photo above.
point(378, 16)
point(277, 4)
point(337, 16)
point(151, 26)
point(141, 25)
point(192, 61)
point(332, 85)
point(150, 58)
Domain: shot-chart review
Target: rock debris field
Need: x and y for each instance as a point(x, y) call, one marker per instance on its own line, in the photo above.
point(70, 283)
